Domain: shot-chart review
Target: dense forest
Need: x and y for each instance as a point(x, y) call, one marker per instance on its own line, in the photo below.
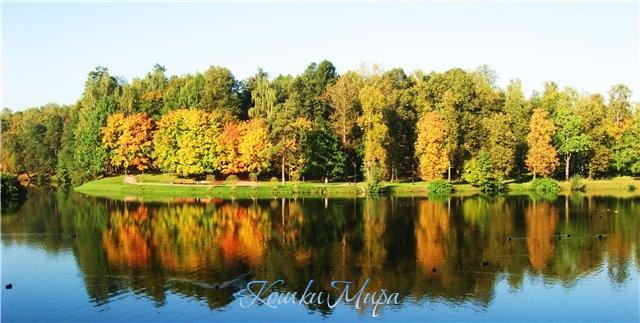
point(369, 124)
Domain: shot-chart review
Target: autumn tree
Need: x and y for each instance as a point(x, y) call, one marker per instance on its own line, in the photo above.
point(343, 98)
point(32, 139)
point(541, 158)
point(501, 144)
point(247, 147)
point(186, 142)
point(431, 149)
point(293, 148)
point(376, 133)
point(229, 140)
point(464, 99)
point(255, 147)
point(129, 140)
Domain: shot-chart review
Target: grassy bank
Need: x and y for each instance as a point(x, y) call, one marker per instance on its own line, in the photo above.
point(161, 187)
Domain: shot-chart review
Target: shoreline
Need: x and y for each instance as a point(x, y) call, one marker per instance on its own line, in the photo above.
point(160, 187)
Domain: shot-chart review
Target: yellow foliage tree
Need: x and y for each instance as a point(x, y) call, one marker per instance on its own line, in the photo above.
point(542, 158)
point(431, 146)
point(376, 132)
point(255, 147)
point(187, 143)
point(343, 97)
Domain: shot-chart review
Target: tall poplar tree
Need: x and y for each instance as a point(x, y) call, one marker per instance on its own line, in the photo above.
point(376, 133)
point(542, 158)
point(431, 150)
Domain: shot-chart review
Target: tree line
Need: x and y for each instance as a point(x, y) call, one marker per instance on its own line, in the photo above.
point(369, 124)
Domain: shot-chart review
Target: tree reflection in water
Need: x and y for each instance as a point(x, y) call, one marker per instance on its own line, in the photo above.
point(453, 250)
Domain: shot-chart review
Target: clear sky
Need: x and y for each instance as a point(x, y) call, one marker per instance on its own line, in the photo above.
point(48, 48)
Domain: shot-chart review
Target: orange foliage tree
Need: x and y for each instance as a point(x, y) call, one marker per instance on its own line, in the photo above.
point(431, 147)
point(542, 158)
point(129, 140)
point(247, 147)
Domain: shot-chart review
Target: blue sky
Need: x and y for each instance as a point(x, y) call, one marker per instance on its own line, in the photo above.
point(48, 48)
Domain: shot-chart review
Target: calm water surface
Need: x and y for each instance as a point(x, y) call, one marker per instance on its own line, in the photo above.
point(76, 258)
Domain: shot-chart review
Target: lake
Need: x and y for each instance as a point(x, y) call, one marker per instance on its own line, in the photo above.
point(75, 258)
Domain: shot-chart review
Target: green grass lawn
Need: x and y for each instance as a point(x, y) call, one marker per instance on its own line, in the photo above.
point(158, 186)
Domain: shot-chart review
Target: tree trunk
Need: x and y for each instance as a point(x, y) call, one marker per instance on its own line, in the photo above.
point(449, 173)
point(283, 169)
point(344, 129)
point(567, 159)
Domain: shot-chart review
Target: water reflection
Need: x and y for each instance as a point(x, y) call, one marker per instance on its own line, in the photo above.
point(453, 250)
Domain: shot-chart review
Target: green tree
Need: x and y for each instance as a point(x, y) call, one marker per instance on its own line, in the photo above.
point(171, 97)
point(307, 89)
point(273, 105)
point(83, 157)
point(67, 169)
point(90, 156)
point(596, 124)
point(478, 170)
point(619, 105)
point(400, 118)
point(323, 153)
point(569, 137)
point(626, 157)
point(518, 111)
point(464, 99)
point(221, 91)
point(190, 95)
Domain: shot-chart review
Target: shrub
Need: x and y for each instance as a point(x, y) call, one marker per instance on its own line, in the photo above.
point(374, 182)
point(374, 187)
point(632, 188)
point(232, 178)
point(545, 186)
point(479, 173)
point(11, 189)
point(577, 183)
point(478, 170)
point(440, 187)
point(210, 178)
point(253, 177)
point(492, 186)
point(273, 179)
